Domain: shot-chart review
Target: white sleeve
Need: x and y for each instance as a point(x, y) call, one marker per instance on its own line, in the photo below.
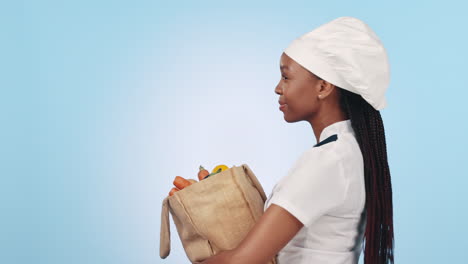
point(315, 185)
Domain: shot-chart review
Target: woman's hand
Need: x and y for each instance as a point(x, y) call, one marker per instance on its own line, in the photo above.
point(224, 257)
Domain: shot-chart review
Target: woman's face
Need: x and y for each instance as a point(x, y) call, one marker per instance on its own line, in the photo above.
point(298, 90)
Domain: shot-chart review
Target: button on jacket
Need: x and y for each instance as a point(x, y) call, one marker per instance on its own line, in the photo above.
point(325, 190)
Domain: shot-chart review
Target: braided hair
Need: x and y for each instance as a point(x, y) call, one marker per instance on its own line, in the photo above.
point(368, 126)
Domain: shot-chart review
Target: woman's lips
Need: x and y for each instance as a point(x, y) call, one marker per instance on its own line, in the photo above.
point(281, 107)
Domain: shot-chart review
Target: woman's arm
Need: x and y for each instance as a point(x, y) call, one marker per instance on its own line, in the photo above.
point(275, 228)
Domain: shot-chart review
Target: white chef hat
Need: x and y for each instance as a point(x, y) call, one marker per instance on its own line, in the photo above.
point(347, 53)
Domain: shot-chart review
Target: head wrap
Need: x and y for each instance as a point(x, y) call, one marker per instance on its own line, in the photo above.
point(347, 53)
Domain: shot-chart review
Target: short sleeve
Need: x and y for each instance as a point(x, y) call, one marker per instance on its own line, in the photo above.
point(315, 185)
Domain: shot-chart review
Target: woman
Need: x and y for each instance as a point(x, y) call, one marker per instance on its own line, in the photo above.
point(338, 195)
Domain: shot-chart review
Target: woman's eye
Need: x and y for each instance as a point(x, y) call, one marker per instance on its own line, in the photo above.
point(284, 77)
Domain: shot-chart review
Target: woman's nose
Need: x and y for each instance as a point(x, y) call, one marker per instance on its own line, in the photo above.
point(278, 89)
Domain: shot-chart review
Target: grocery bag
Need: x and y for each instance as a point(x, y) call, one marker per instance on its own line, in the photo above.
point(214, 214)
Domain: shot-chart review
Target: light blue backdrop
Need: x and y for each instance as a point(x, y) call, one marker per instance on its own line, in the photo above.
point(103, 103)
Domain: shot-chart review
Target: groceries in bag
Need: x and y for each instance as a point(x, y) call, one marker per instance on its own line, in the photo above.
point(181, 183)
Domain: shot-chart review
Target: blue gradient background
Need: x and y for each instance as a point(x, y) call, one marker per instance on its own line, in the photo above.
point(103, 103)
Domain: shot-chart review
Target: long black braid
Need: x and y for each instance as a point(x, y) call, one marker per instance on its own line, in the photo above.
point(370, 134)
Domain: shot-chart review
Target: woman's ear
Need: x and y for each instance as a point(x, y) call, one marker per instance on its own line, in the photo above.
point(325, 89)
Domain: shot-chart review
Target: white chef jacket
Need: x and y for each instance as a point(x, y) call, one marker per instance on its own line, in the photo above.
point(325, 190)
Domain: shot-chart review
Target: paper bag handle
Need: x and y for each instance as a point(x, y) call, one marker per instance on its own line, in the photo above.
point(165, 234)
point(255, 181)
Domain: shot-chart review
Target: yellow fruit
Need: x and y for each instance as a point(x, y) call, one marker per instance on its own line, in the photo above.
point(220, 168)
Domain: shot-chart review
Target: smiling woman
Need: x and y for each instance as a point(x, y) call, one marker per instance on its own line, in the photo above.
point(338, 192)
point(298, 101)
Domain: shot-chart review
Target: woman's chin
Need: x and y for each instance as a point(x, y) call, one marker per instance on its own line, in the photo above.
point(289, 119)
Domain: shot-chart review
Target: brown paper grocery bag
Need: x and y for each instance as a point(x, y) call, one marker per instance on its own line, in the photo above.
point(214, 214)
